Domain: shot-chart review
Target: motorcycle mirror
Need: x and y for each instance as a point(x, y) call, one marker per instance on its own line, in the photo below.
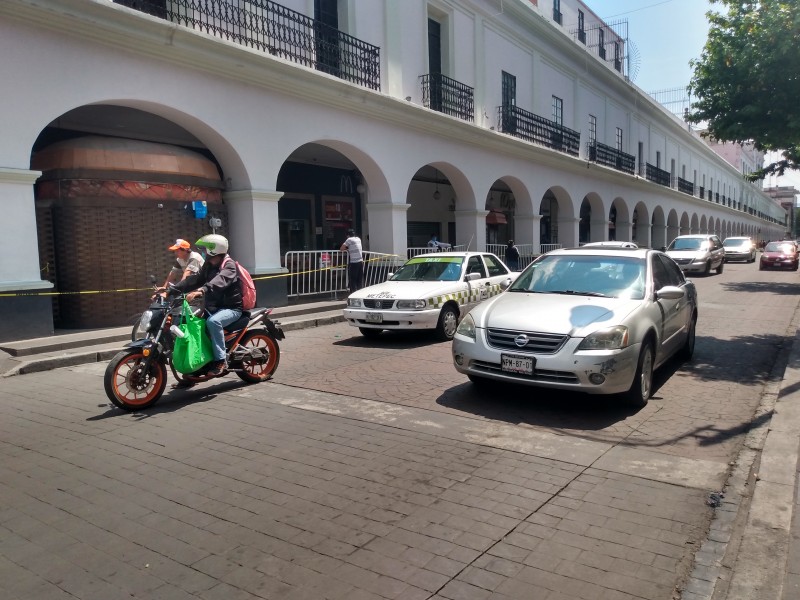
point(153, 279)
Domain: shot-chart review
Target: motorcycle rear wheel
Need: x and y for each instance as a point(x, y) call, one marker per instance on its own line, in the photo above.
point(258, 370)
point(128, 386)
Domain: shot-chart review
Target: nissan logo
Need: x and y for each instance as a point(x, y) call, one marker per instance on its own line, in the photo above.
point(377, 304)
point(521, 340)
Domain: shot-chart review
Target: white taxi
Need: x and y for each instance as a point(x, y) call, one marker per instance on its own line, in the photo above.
point(430, 291)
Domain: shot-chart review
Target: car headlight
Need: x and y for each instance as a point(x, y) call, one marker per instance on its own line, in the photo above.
point(467, 327)
point(354, 303)
point(412, 304)
point(611, 338)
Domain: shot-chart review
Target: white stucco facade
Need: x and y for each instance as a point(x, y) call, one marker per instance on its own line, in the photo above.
point(251, 111)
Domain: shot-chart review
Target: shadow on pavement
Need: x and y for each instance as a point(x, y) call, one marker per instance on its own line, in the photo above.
point(760, 287)
point(392, 340)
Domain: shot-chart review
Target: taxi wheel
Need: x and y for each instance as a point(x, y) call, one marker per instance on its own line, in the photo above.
point(448, 323)
point(369, 333)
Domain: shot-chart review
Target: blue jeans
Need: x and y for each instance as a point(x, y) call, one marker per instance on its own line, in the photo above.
point(215, 324)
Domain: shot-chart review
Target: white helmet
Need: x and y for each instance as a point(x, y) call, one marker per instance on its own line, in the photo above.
point(214, 244)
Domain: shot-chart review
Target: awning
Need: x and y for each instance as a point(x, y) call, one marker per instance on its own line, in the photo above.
point(496, 218)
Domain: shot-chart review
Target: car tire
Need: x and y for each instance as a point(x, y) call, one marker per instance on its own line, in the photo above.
point(370, 333)
point(720, 267)
point(448, 323)
point(707, 270)
point(687, 350)
point(642, 386)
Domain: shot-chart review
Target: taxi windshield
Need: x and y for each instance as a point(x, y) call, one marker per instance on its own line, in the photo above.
point(444, 268)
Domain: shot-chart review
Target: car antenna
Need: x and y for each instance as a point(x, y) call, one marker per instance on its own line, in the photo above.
point(470, 241)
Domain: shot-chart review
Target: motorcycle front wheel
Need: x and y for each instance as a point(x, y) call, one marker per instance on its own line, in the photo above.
point(131, 386)
point(262, 355)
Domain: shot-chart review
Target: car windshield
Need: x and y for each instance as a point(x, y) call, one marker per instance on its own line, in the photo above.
point(736, 243)
point(611, 276)
point(785, 247)
point(430, 268)
point(688, 244)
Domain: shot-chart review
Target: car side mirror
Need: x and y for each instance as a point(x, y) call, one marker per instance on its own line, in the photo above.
point(670, 292)
point(472, 276)
point(663, 248)
point(389, 276)
point(504, 285)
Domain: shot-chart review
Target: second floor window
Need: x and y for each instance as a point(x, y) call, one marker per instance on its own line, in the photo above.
point(601, 43)
point(619, 139)
point(557, 11)
point(592, 129)
point(558, 110)
point(581, 27)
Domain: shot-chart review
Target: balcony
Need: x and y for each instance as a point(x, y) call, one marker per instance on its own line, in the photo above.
point(533, 128)
point(611, 157)
point(702, 192)
point(601, 52)
point(274, 29)
point(448, 96)
point(687, 187)
point(582, 36)
point(656, 175)
point(717, 197)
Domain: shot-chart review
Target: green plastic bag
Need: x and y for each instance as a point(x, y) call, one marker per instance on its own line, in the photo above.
point(193, 350)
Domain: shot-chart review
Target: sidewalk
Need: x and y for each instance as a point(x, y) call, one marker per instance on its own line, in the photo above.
point(68, 348)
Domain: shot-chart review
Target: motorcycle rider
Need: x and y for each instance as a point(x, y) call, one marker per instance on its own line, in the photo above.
point(218, 283)
point(187, 262)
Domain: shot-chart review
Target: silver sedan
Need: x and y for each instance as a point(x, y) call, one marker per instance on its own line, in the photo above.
point(594, 320)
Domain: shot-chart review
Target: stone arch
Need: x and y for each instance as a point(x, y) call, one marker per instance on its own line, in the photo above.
point(558, 224)
point(593, 223)
point(640, 225)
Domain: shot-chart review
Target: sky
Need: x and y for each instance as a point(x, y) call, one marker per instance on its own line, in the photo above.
point(667, 35)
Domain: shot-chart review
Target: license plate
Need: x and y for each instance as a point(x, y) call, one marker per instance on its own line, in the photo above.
point(515, 363)
point(373, 318)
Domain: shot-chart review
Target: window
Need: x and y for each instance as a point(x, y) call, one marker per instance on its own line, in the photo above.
point(601, 43)
point(581, 27)
point(558, 110)
point(475, 265)
point(592, 129)
point(617, 58)
point(641, 154)
point(509, 91)
point(495, 267)
point(557, 11)
point(619, 139)
point(658, 159)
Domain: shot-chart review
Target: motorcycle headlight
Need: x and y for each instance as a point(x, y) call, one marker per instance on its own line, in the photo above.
point(354, 303)
point(467, 327)
point(411, 304)
point(611, 338)
point(144, 321)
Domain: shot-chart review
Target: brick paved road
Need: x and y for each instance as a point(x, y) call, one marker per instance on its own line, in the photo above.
point(375, 471)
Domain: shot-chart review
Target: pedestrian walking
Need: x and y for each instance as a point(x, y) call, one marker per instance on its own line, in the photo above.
point(512, 256)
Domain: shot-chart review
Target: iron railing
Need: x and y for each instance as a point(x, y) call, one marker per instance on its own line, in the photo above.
point(611, 157)
point(687, 187)
point(533, 128)
point(448, 96)
point(274, 29)
point(656, 175)
point(324, 272)
point(716, 197)
point(702, 192)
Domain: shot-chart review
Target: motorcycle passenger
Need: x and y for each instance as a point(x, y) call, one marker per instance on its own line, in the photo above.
point(219, 286)
point(187, 262)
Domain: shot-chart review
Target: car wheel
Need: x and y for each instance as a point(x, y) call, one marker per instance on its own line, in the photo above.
point(720, 267)
point(687, 351)
point(448, 323)
point(369, 333)
point(642, 385)
point(760, 266)
point(707, 270)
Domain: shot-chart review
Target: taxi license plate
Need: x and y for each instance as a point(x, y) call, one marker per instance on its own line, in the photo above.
point(515, 363)
point(373, 317)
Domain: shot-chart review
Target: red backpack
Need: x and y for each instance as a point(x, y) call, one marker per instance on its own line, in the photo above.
point(247, 285)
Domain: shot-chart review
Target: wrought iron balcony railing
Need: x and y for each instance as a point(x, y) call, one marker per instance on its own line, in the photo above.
point(274, 29)
point(656, 175)
point(533, 128)
point(582, 36)
point(448, 96)
point(702, 192)
point(687, 187)
point(716, 197)
point(710, 196)
point(611, 157)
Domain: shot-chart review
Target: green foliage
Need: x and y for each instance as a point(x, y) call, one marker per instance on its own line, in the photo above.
point(747, 80)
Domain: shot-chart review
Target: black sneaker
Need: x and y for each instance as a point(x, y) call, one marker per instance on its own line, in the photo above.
point(217, 368)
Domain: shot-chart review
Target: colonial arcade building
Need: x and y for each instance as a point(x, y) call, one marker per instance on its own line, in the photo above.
point(129, 123)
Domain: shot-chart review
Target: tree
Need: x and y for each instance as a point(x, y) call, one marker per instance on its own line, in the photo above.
point(747, 80)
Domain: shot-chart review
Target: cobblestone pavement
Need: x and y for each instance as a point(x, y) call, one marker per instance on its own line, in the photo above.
point(372, 470)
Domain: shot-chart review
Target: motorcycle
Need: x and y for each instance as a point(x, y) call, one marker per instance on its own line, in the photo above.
point(136, 377)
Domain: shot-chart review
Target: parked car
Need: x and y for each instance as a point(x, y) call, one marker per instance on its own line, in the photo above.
point(698, 253)
point(740, 248)
point(610, 244)
point(430, 291)
point(593, 320)
point(779, 255)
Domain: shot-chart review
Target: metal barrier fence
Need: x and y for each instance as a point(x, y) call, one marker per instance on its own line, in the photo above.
point(416, 251)
point(324, 272)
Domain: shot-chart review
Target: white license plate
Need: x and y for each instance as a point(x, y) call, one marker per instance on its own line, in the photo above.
point(373, 318)
point(515, 363)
